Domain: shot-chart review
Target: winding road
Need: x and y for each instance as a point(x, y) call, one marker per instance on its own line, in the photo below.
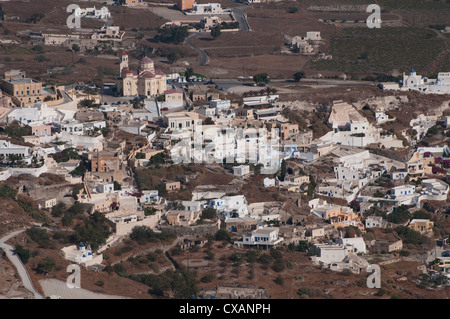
point(190, 41)
point(15, 260)
point(239, 16)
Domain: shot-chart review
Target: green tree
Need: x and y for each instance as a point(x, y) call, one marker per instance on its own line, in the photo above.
point(23, 253)
point(283, 170)
point(209, 213)
point(46, 266)
point(117, 186)
point(140, 155)
point(421, 214)
point(188, 73)
point(175, 35)
point(216, 31)
point(400, 215)
point(94, 231)
point(7, 191)
point(59, 209)
point(298, 76)
point(75, 47)
point(379, 194)
point(279, 280)
point(172, 57)
point(222, 234)
point(38, 48)
point(261, 78)
point(184, 284)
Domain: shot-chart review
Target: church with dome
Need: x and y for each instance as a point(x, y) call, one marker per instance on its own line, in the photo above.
point(146, 80)
point(415, 82)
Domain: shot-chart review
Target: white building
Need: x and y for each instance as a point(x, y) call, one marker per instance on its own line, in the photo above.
point(230, 204)
point(402, 191)
point(381, 117)
point(354, 245)
point(434, 189)
point(149, 197)
point(413, 81)
point(39, 112)
point(72, 127)
point(329, 254)
point(241, 170)
point(262, 237)
point(422, 124)
point(398, 175)
point(81, 255)
point(220, 104)
point(105, 188)
point(312, 36)
point(206, 111)
point(102, 13)
point(265, 211)
point(346, 173)
point(207, 8)
point(375, 222)
point(8, 149)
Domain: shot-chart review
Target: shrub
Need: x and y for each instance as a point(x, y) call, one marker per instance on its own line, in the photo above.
point(23, 254)
point(278, 266)
point(207, 278)
point(279, 280)
point(223, 235)
point(303, 291)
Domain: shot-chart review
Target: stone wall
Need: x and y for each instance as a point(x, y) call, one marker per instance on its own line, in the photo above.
point(201, 230)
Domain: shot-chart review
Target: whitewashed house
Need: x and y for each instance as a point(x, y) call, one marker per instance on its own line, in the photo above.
point(262, 237)
point(241, 170)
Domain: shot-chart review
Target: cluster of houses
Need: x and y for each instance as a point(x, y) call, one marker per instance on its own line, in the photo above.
point(200, 125)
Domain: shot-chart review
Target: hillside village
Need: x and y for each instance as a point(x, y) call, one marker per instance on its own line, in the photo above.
point(164, 184)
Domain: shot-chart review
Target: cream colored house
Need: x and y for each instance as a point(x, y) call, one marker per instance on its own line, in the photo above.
point(182, 120)
point(421, 225)
point(46, 203)
point(25, 91)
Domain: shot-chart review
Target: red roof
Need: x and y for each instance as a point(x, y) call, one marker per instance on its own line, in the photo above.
point(146, 60)
point(147, 74)
point(173, 91)
point(159, 72)
point(124, 53)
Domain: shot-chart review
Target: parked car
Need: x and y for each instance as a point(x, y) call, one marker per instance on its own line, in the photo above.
point(164, 109)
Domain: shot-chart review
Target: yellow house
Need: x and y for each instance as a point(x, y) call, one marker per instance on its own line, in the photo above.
point(25, 91)
point(46, 203)
point(172, 186)
point(132, 3)
point(421, 225)
point(419, 166)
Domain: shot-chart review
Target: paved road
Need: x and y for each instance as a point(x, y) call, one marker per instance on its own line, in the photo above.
point(15, 260)
point(227, 84)
point(54, 287)
point(241, 17)
point(190, 41)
